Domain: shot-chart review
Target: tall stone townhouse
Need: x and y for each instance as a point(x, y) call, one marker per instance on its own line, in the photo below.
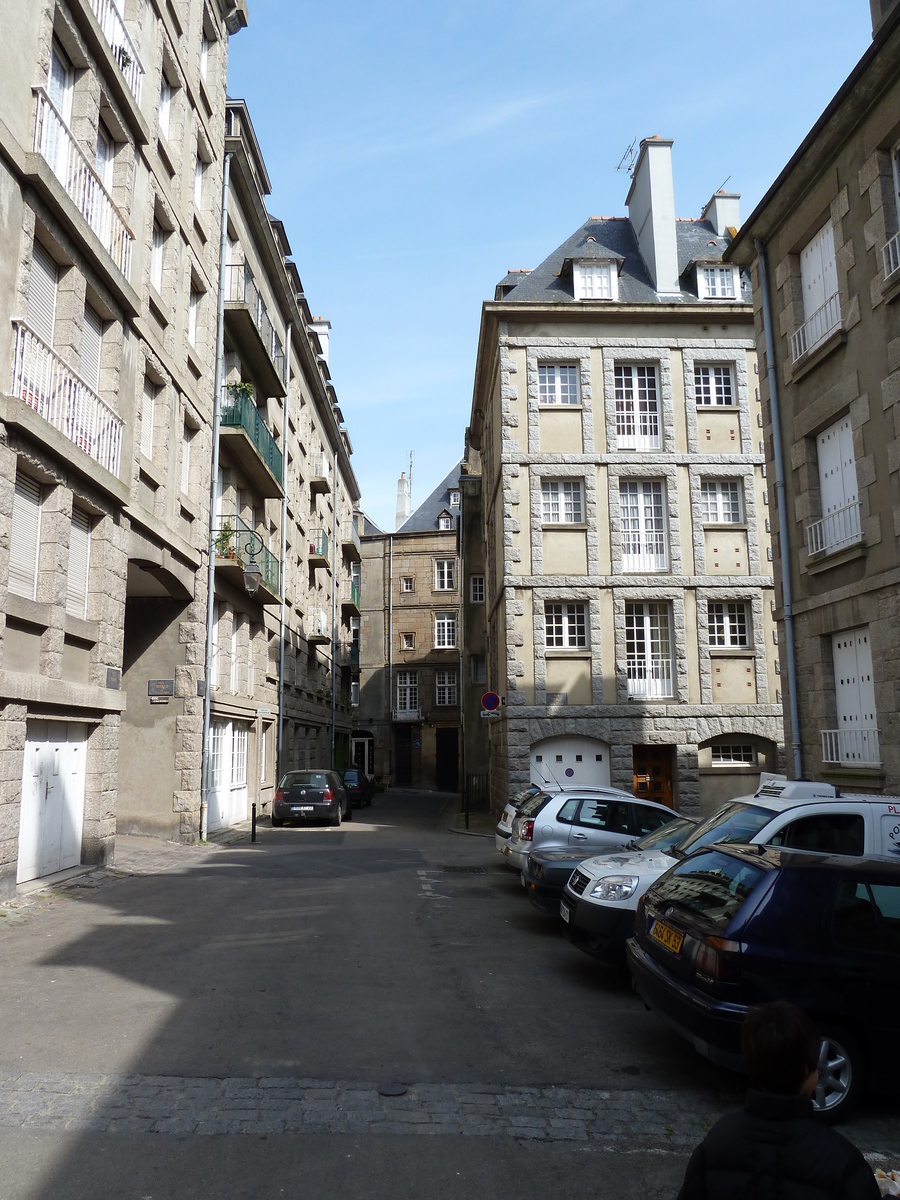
point(408, 718)
point(823, 251)
point(616, 431)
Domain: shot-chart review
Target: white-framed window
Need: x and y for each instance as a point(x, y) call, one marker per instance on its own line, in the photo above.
point(79, 564)
point(643, 525)
point(239, 756)
point(193, 312)
point(407, 641)
point(648, 650)
point(476, 589)
point(187, 436)
point(557, 383)
point(713, 385)
point(407, 691)
point(43, 288)
point(721, 502)
point(729, 623)
point(104, 161)
point(165, 107)
point(407, 583)
point(561, 502)
point(732, 753)
point(445, 631)
point(148, 416)
point(264, 735)
point(445, 687)
point(199, 172)
point(596, 281)
point(60, 88)
point(445, 521)
point(354, 693)
point(25, 537)
point(445, 574)
point(205, 46)
point(637, 407)
point(716, 283)
point(156, 256)
point(479, 668)
point(818, 274)
point(454, 499)
point(838, 490)
point(91, 348)
point(217, 733)
point(565, 626)
point(856, 737)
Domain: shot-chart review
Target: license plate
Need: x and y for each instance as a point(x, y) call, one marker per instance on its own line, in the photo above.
point(670, 938)
point(302, 808)
point(565, 912)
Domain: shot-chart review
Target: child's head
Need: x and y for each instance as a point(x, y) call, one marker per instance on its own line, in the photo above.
point(781, 1048)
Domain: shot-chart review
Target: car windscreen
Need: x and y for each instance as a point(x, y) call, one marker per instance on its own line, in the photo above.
point(534, 804)
point(711, 884)
point(733, 823)
point(316, 779)
point(667, 835)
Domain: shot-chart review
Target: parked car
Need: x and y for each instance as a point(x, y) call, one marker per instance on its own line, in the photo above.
point(359, 786)
point(590, 818)
point(311, 796)
point(732, 927)
point(510, 812)
point(546, 872)
point(601, 897)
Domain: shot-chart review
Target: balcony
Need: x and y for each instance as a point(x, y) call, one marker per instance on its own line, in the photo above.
point(123, 48)
point(53, 389)
point(836, 531)
point(318, 632)
point(649, 680)
point(890, 257)
point(250, 441)
point(350, 596)
point(320, 479)
point(851, 747)
point(318, 548)
point(236, 545)
point(814, 331)
point(250, 326)
point(54, 142)
point(347, 655)
point(350, 540)
point(406, 714)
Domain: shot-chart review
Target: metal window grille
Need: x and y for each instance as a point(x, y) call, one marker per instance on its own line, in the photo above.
point(643, 525)
point(728, 624)
point(712, 386)
point(637, 407)
point(557, 383)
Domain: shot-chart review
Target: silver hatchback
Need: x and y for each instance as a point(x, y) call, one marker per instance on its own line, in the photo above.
point(595, 819)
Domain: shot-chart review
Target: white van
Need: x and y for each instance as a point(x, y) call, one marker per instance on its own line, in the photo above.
point(601, 897)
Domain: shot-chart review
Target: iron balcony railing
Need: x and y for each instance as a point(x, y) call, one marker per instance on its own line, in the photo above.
point(124, 50)
point(650, 560)
point(851, 747)
point(890, 256)
point(840, 528)
point(54, 390)
point(239, 412)
point(817, 328)
point(407, 714)
point(350, 534)
point(318, 543)
point(649, 680)
point(241, 288)
point(54, 142)
point(234, 539)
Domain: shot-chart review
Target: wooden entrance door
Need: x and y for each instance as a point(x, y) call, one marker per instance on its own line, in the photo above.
point(653, 774)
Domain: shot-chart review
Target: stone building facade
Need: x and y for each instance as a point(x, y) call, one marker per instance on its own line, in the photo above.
point(616, 430)
point(827, 237)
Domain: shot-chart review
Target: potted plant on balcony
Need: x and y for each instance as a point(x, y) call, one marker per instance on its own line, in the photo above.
point(240, 392)
point(123, 58)
point(224, 542)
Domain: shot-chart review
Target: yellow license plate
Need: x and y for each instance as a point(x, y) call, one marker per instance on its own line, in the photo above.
point(670, 938)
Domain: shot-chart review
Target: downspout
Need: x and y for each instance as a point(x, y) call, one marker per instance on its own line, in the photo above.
point(216, 427)
point(390, 686)
point(783, 527)
point(460, 691)
point(279, 757)
point(334, 584)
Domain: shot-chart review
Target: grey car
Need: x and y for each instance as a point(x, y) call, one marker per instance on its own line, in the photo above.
point(311, 796)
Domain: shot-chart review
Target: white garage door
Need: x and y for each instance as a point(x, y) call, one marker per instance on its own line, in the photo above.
point(51, 817)
point(570, 762)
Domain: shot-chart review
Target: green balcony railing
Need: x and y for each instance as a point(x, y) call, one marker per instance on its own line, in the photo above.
point(235, 540)
point(239, 412)
point(318, 543)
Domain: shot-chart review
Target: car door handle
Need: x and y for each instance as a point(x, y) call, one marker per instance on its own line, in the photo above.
point(579, 837)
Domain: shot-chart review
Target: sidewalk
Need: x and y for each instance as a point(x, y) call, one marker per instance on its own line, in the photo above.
point(481, 824)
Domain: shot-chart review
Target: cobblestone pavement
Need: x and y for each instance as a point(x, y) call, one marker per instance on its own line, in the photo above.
point(614, 1119)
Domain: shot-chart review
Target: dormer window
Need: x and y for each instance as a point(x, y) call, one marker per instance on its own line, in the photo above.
point(454, 499)
point(445, 521)
point(718, 283)
point(595, 280)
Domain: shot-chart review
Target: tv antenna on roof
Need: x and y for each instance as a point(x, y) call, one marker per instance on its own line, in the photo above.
point(626, 162)
point(410, 477)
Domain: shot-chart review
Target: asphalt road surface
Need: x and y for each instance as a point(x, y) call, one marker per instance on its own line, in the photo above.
point(364, 1013)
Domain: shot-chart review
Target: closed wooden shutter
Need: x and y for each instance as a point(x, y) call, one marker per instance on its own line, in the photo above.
point(25, 537)
point(79, 562)
point(818, 271)
point(91, 346)
point(837, 467)
point(854, 688)
point(42, 288)
point(147, 418)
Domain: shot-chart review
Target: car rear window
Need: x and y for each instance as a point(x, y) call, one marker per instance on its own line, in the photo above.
point(533, 805)
point(712, 885)
point(668, 836)
point(351, 777)
point(734, 823)
point(519, 799)
point(305, 779)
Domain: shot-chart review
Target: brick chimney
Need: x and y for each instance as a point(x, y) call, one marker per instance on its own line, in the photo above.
point(651, 210)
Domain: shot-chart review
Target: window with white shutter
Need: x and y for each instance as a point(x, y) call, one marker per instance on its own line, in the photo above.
point(55, 139)
point(856, 737)
point(25, 537)
point(199, 168)
point(79, 564)
point(42, 290)
point(91, 348)
point(840, 524)
point(165, 107)
point(106, 155)
point(148, 415)
point(186, 438)
point(193, 311)
point(156, 256)
point(818, 270)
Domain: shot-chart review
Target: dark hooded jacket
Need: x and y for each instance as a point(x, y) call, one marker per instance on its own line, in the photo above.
point(775, 1149)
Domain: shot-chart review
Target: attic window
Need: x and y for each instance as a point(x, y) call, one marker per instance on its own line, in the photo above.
point(454, 499)
point(717, 283)
point(445, 521)
point(595, 281)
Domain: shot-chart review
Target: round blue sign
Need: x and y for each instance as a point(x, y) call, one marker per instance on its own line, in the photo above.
point(569, 772)
point(490, 701)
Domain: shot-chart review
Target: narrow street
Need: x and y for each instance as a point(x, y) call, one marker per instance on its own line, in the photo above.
point(228, 1025)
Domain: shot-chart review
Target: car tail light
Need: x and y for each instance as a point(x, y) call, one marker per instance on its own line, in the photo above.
point(328, 794)
point(718, 959)
point(279, 796)
point(527, 830)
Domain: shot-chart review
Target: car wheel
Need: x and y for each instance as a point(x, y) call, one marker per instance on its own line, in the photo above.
point(349, 813)
point(339, 818)
point(277, 822)
point(841, 1074)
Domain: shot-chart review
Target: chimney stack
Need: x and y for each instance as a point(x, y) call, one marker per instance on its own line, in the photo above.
point(402, 500)
point(322, 327)
point(651, 210)
point(723, 212)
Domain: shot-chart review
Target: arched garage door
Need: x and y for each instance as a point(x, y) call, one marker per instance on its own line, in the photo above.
point(570, 761)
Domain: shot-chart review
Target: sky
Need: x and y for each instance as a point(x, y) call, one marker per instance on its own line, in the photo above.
point(418, 151)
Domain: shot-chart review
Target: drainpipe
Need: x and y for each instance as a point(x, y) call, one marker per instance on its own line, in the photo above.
point(390, 687)
point(334, 584)
point(783, 526)
point(217, 422)
point(460, 689)
point(279, 756)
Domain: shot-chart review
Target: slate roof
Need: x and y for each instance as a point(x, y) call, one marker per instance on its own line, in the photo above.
point(425, 517)
point(696, 240)
point(368, 527)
